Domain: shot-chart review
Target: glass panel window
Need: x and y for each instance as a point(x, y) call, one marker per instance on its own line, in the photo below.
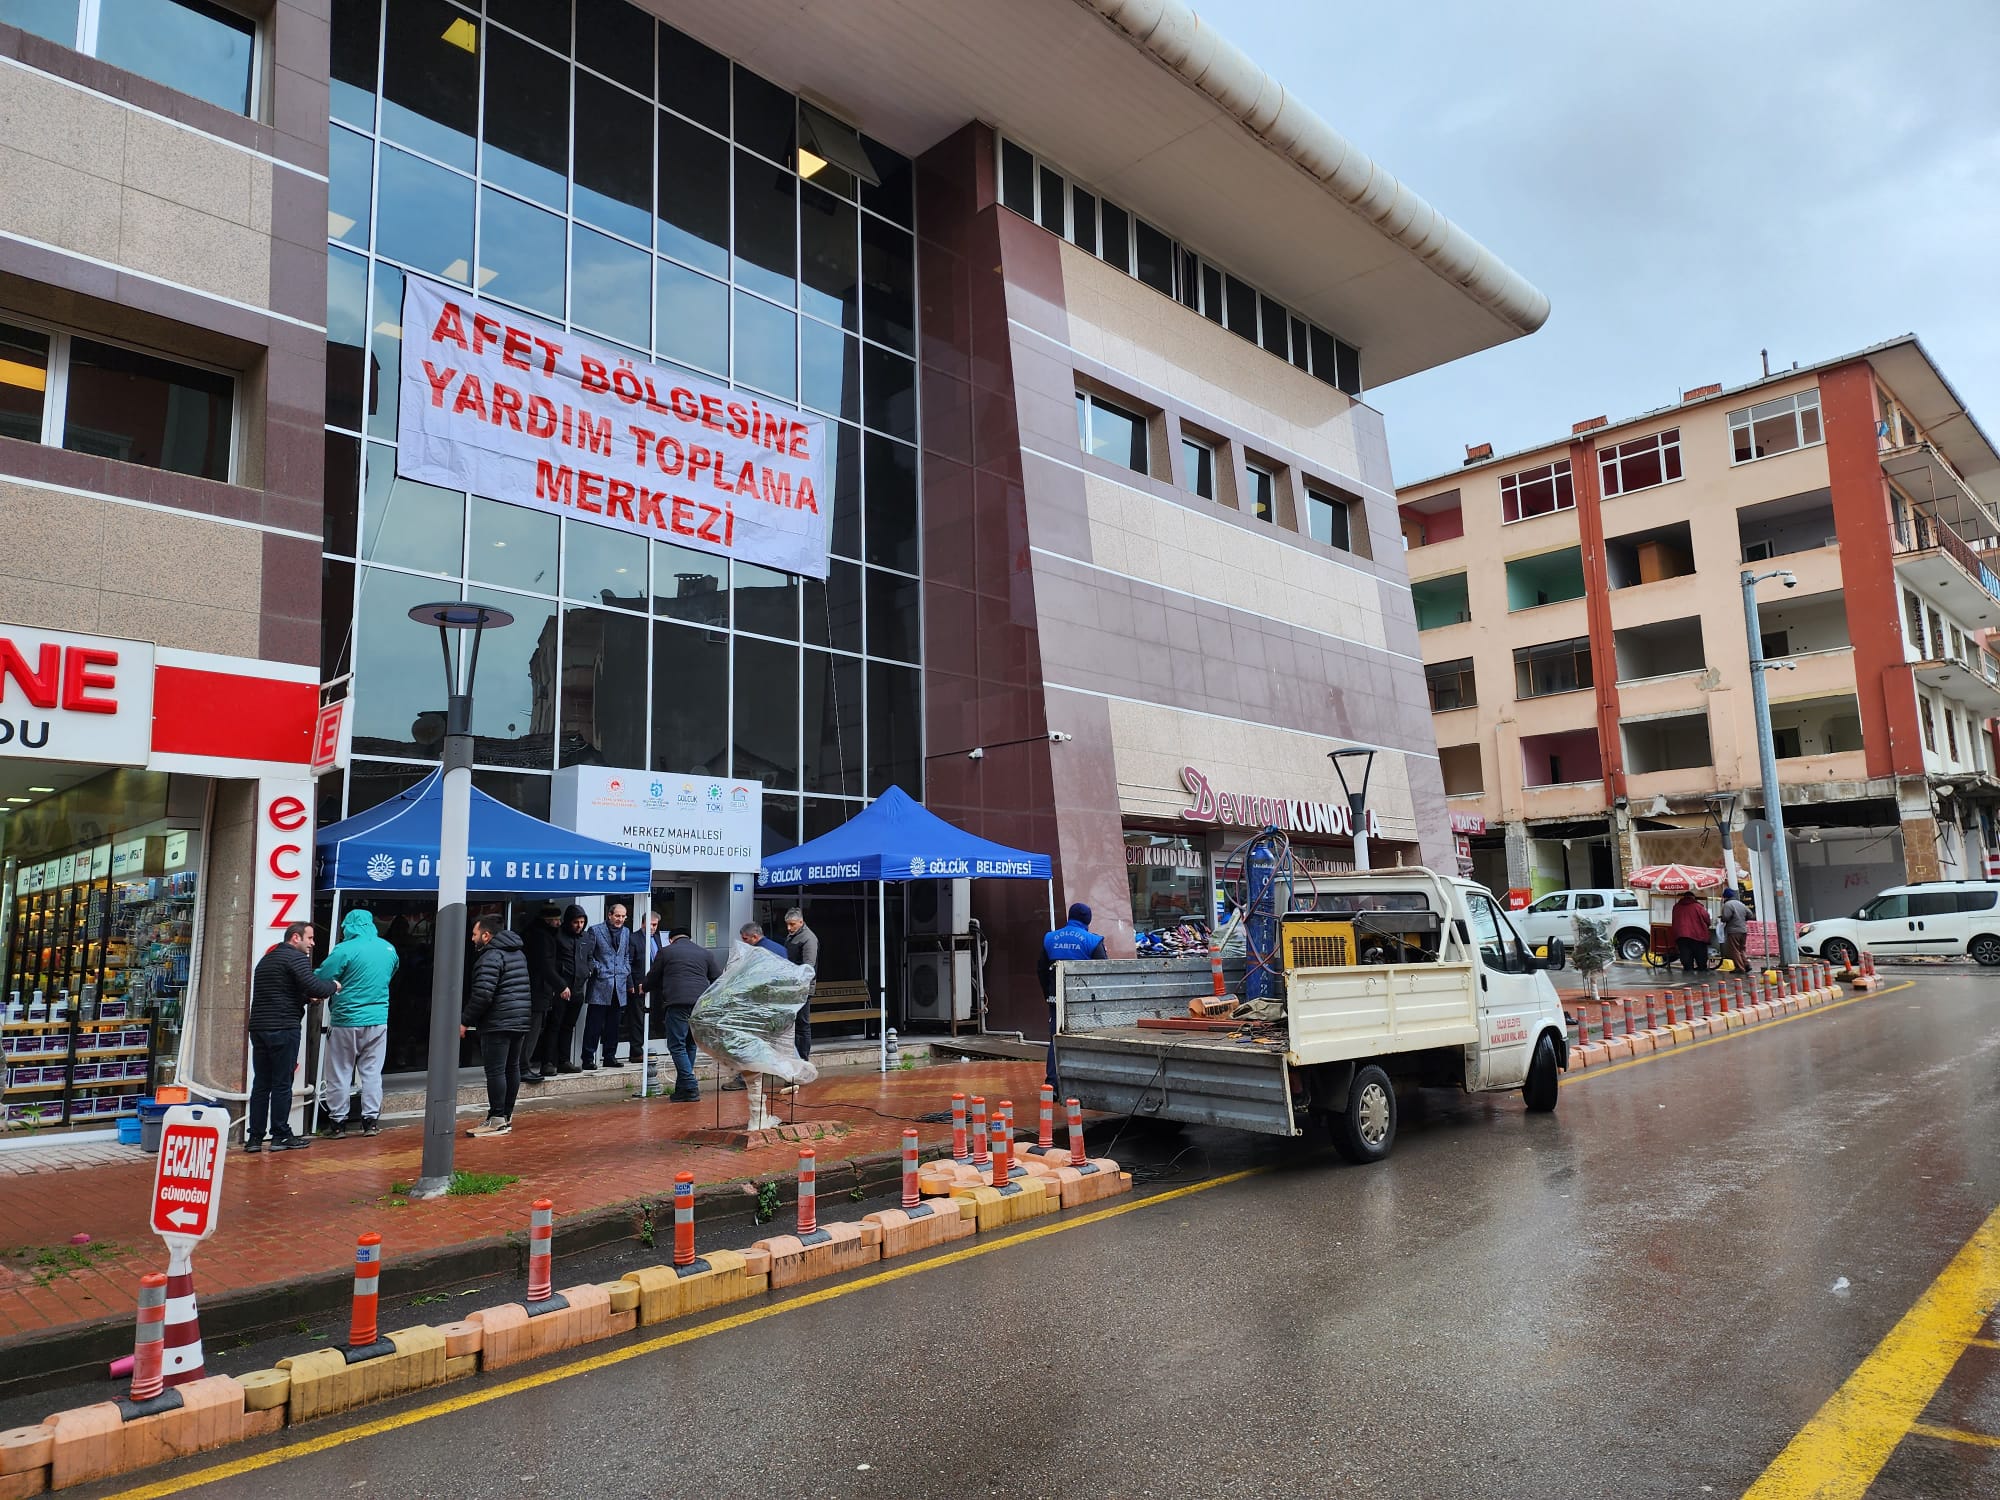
point(766, 715)
point(690, 586)
point(895, 730)
point(766, 117)
point(346, 337)
point(614, 170)
point(547, 21)
point(833, 607)
point(140, 409)
point(691, 316)
point(1559, 667)
point(892, 504)
point(766, 346)
point(514, 712)
point(888, 285)
point(430, 79)
point(520, 253)
point(693, 211)
point(1641, 463)
point(1328, 518)
point(527, 120)
point(350, 186)
point(188, 45)
point(354, 47)
point(424, 217)
point(1263, 493)
point(831, 706)
point(602, 714)
point(1156, 258)
point(1017, 179)
point(1168, 877)
point(1117, 224)
point(616, 39)
point(398, 678)
point(385, 350)
point(767, 250)
point(1211, 293)
point(781, 824)
point(894, 614)
point(1536, 492)
point(767, 601)
point(1347, 374)
point(1301, 344)
point(611, 287)
point(1112, 433)
point(512, 546)
point(1051, 209)
point(54, 19)
point(829, 258)
point(1242, 313)
point(1451, 684)
point(694, 80)
point(889, 392)
point(829, 370)
point(1200, 461)
point(1083, 219)
point(409, 524)
point(1276, 325)
point(343, 494)
point(893, 195)
point(603, 565)
point(1772, 427)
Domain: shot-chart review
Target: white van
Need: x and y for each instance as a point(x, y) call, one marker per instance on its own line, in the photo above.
point(1940, 917)
point(1623, 914)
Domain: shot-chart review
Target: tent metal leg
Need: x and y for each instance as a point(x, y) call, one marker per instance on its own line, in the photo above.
point(882, 965)
point(325, 1028)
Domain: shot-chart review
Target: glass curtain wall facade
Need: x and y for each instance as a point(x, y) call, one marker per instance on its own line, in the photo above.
point(602, 171)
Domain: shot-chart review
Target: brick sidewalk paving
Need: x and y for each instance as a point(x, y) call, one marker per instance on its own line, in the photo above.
point(294, 1215)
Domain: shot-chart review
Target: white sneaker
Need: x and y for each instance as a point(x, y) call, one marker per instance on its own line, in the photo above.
point(490, 1127)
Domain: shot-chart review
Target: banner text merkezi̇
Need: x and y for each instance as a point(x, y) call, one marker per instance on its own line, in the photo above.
point(506, 407)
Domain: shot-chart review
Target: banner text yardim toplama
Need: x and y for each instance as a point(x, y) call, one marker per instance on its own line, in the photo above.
point(511, 408)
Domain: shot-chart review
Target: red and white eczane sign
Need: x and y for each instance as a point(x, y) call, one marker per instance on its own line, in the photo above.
point(187, 1179)
point(513, 408)
point(75, 697)
point(283, 884)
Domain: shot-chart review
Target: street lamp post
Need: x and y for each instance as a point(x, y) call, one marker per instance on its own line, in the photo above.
point(1767, 765)
point(1357, 797)
point(453, 620)
point(1722, 808)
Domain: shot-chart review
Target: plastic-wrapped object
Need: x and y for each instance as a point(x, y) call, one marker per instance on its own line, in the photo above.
point(745, 1018)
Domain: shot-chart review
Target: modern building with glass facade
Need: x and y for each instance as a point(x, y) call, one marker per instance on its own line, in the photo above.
point(1086, 301)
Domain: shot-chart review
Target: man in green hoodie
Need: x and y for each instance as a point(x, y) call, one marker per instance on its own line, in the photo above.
point(362, 961)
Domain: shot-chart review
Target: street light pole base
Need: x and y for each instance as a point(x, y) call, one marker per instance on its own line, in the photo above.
point(431, 1187)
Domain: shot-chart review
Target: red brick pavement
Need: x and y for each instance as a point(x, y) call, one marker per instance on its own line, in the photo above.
point(293, 1215)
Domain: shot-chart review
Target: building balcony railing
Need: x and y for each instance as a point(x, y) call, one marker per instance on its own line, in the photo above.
point(1921, 531)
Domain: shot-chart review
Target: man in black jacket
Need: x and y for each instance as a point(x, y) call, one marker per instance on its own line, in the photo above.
point(499, 1006)
point(676, 980)
point(281, 987)
point(539, 945)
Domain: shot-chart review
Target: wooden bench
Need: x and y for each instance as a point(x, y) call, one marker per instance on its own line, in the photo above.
point(841, 1000)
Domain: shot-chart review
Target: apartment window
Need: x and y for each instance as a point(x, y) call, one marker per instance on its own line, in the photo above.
point(1913, 619)
point(1537, 492)
point(90, 397)
point(1328, 520)
point(1641, 463)
point(189, 45)
point(1111, 432)
point(1558, 667)
point(1957, 644)
point(1451, 685)
point(1935, 651)
point(1930, 724)
point(1263, 493)
point(1199, 458)
point(1775, 426)
point(1017, 179)
point(1951, 733)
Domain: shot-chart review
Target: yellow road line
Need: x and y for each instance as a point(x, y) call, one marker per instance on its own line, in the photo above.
point(518, 1384)
point(1837, 1455)
point(1570, 1081)
point(1955, 1435)
point(1984, 1343)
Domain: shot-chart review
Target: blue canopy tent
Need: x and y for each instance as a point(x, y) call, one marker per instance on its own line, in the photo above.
point(393, 847)
point(896, 838)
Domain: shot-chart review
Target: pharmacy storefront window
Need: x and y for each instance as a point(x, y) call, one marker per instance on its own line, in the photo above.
point(1168, 876)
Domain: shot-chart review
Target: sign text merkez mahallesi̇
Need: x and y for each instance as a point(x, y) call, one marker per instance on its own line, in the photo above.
point(508, 407)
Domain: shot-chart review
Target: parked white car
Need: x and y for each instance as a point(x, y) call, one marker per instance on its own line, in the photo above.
point(1941, 917)
point(1623, 914)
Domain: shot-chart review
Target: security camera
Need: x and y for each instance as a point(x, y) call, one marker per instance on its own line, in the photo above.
point(1789, 579)
point(977, 752)
point(1057, 737)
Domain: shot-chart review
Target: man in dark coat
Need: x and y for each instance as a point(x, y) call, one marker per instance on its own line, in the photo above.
point(500, 1006)
point(281, 987)
point(555, 960)
point(681, 971)
point(1070, 943)
point(541, 945)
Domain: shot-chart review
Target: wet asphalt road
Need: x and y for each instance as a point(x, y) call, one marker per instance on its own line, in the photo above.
point(1646, 1294)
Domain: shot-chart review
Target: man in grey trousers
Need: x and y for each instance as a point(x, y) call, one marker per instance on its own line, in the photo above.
point(802, 947)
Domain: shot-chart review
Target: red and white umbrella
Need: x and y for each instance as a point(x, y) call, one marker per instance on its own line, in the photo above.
point(1671, 880)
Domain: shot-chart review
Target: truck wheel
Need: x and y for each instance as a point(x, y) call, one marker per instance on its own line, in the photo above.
point(1632, 946)
point(1367, 1129)
point(1838, 952)
point(1540, 1090)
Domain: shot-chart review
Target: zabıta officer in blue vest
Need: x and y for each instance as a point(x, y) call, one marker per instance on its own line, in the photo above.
point(1071, 941)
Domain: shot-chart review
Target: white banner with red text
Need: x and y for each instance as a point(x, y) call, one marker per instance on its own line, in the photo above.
point(517, 410)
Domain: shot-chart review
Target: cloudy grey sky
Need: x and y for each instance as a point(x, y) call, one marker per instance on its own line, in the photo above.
point(1688, 182)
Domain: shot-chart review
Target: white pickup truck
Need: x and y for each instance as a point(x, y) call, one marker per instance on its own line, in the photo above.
point(1396, 977)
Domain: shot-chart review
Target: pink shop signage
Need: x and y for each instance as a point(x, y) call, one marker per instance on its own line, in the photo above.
point(1255, 810)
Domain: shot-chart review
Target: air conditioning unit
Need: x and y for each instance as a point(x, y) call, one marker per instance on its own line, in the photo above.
point(937, 908)
point(937, 987)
